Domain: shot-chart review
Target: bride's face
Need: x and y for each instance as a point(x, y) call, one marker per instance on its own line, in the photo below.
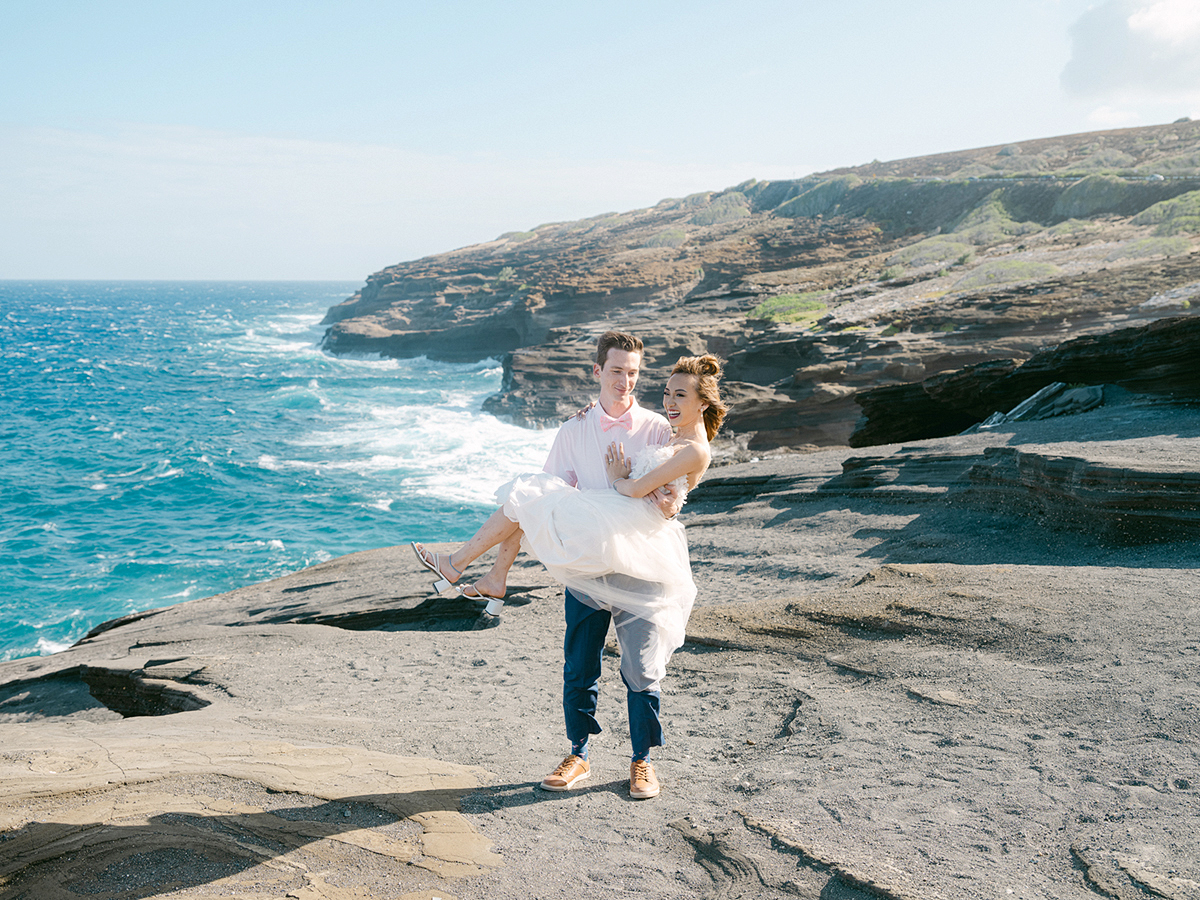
point(681, 402)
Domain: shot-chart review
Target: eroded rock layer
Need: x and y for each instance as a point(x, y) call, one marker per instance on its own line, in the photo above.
point(1157, 359)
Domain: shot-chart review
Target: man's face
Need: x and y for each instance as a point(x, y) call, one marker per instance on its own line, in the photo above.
point(618, 377)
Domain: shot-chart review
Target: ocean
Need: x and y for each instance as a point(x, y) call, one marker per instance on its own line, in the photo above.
point(165, 441)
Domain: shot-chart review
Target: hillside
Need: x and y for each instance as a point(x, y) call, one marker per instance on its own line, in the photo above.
point(818, 289)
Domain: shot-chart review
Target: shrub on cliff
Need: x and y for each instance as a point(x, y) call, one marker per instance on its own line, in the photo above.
point(1181, 214)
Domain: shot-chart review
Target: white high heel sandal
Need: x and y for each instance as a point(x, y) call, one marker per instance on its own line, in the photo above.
point(494, 604)
point(443, 584)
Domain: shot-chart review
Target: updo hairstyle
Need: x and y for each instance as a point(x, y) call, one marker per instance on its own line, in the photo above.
point(707, 369)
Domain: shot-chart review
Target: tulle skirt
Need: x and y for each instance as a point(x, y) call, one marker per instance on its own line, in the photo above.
point(619, 551)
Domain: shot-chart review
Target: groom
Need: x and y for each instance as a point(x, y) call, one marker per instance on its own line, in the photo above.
point(577, 457)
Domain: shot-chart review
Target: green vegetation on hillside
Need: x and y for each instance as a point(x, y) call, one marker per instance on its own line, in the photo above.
point(1004, 271)
point(1072, 226)
point(989, 223)
point(806, 307)
point(979, 212)
point(817, 201)
point(1181, 214)
point(937, 250)
point(668, 237)
point(1092, 195)
point(723, 208)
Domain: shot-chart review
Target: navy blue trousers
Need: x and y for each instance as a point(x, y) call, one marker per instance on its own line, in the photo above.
point(583, 648)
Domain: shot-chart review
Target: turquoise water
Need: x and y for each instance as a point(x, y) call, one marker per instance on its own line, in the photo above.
point(161, 442)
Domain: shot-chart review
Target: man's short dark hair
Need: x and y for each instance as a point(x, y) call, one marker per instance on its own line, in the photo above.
point(616, 340)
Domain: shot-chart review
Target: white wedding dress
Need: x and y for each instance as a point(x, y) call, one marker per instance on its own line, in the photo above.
point(619, 551)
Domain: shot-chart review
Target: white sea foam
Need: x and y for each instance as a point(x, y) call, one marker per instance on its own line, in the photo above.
point(46, 647)
point(255, 545)
point(487, 453)
point(276, 345)
point(290, 324)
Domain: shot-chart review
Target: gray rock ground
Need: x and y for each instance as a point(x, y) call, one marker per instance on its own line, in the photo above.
point(894, 686)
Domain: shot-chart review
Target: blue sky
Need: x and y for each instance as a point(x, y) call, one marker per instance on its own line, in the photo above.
point(314, 139)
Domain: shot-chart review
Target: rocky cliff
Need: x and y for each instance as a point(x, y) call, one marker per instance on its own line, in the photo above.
point(1158, 359)
point(818, 290)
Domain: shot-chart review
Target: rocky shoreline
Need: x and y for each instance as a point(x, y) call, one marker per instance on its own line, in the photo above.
point(910, 675)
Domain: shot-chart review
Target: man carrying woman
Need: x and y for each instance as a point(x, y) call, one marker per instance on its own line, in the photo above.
point(600, 517)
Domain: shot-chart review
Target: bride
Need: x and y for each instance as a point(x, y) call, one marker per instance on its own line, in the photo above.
point(614, 546)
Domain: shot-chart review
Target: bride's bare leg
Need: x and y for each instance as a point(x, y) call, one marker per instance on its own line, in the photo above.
point(496, 530)
point(495, 582)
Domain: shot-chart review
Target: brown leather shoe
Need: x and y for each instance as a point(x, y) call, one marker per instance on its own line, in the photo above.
point(570, 772)
point(643, 783)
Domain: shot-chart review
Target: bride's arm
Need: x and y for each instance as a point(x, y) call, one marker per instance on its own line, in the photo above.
point(689, 459)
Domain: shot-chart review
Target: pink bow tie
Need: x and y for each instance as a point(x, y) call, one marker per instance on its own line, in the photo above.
point(625, 421)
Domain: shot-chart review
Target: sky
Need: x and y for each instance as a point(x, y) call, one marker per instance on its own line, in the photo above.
point(312, 139)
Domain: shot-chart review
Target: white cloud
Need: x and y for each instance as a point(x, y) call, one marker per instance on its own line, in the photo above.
point(1144, 51)
point(1171, 22)
point(174, 202)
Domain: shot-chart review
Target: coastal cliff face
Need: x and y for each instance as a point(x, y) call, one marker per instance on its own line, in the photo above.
point(819, 290)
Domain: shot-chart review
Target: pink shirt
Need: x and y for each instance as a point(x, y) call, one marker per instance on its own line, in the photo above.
point(577, 456)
